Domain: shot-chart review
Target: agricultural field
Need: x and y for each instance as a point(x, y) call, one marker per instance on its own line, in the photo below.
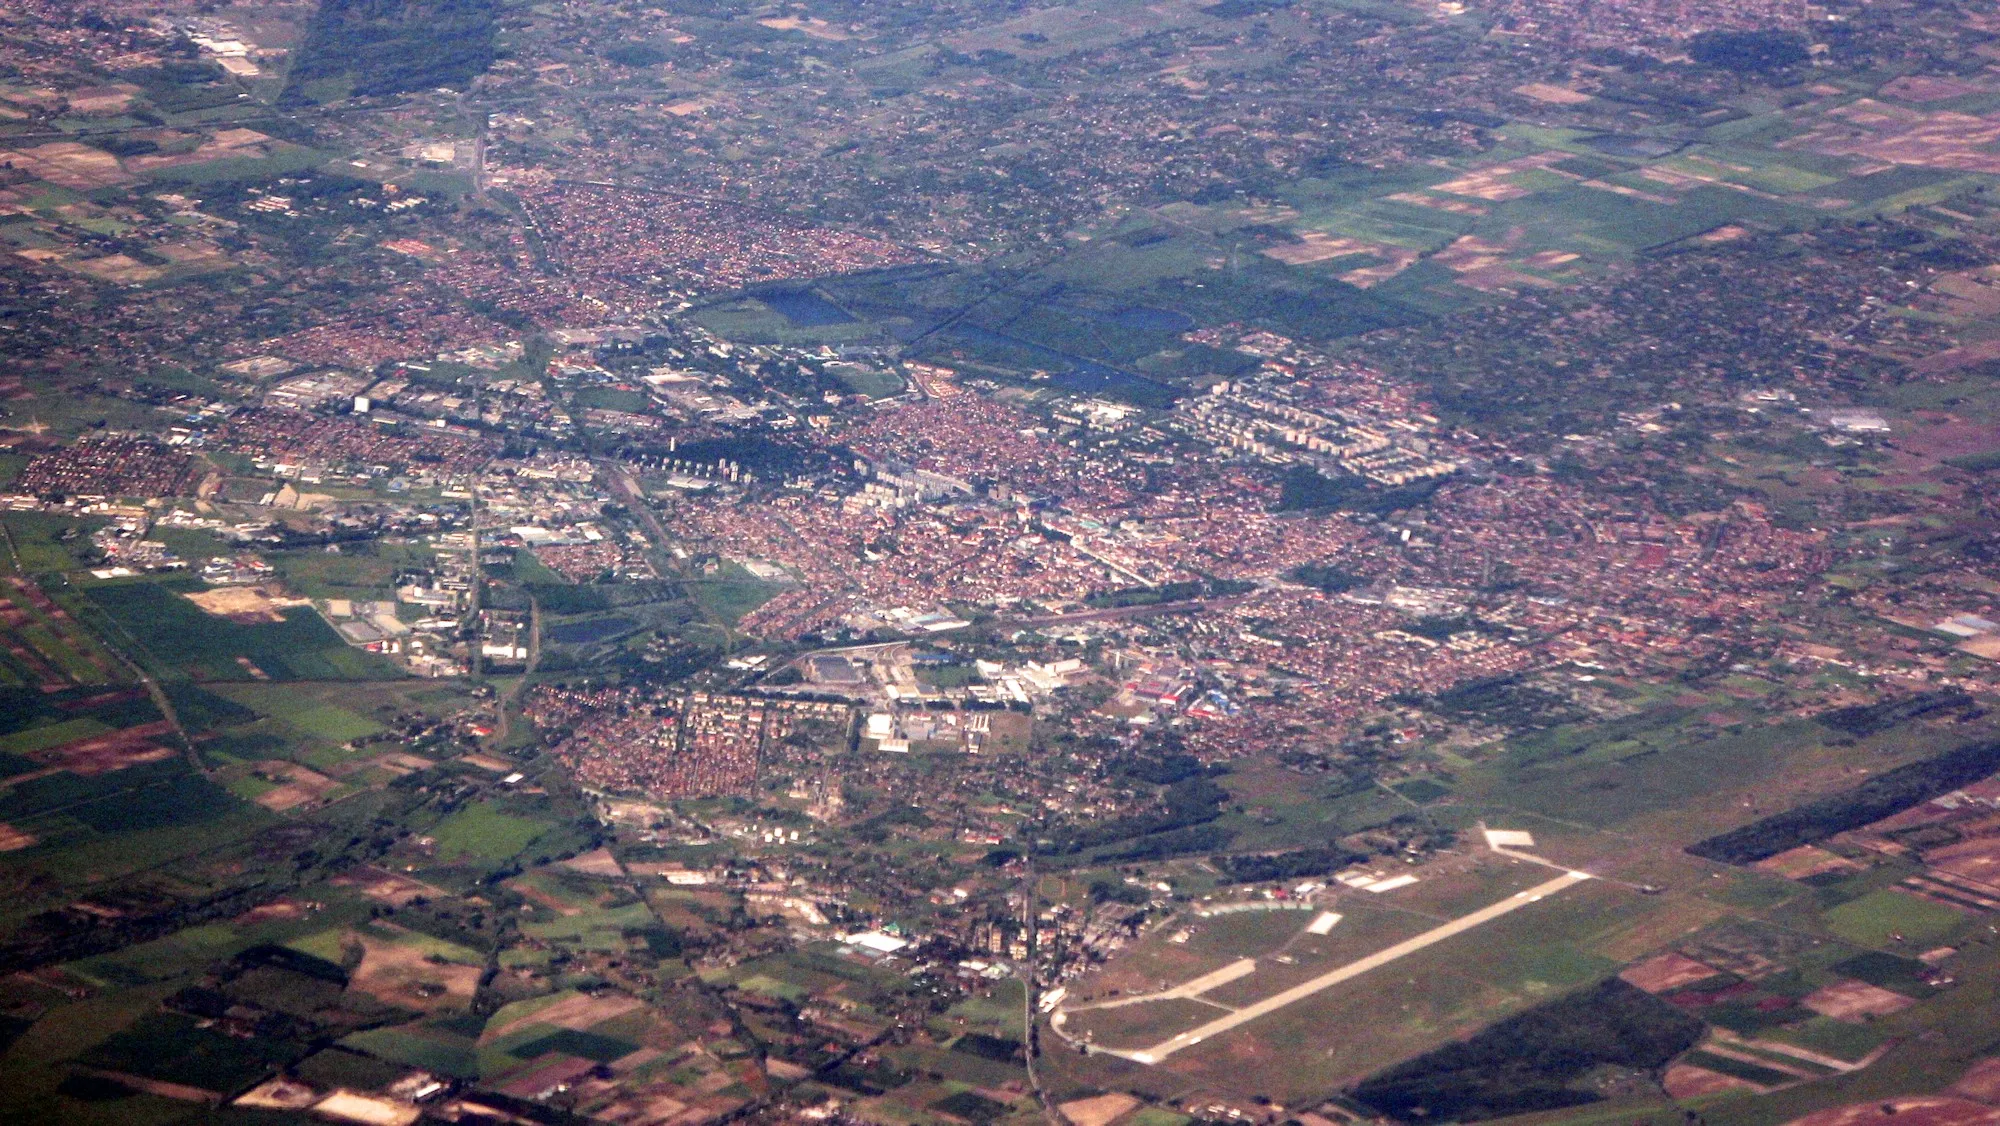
point(289, 642)
point(484, 832)
point(44, 647)
point(384, 963)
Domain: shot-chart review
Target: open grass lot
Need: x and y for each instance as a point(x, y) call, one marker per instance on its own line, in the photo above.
point(823, 974)
point(370, 701)
point(873, 384)
point(995, 1013)
point(1292, 815)
point(333, 724)
point(597, 929)
point(286, 159)
point(309, 712)
point(366, 572)
point(962, 1067)
point(39, 543)
point(732, 592)
point(1843, 1040)
point(434, 1050)
point(69, 413)
point(484, 832)
point(1889, 917)
point(564, 891)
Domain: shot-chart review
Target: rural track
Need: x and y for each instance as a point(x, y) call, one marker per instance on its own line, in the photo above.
point(1031, 1041)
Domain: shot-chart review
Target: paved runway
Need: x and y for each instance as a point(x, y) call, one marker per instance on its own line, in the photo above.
point(1353, 969)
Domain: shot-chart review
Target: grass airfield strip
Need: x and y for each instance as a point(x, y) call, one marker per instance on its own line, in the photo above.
point(1273, 1003)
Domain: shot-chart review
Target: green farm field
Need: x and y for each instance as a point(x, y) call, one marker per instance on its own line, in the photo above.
point(181, 636)
point(483, 832)
point(1889, 917)
point(310, 712)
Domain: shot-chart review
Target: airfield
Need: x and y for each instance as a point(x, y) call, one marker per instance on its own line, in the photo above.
point(1263, 979)
point(1246, 968)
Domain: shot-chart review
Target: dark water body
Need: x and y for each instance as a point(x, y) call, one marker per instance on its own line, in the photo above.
point(804, 308)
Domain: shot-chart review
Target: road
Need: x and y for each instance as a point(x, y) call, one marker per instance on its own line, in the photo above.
point(1031, 1042)
point(1144, 610)
point(1354, 969)
point(513, 695)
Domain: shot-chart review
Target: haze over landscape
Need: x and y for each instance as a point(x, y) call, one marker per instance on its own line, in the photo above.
point(966, 563)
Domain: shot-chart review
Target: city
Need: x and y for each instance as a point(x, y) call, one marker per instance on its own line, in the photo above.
point(679, 562)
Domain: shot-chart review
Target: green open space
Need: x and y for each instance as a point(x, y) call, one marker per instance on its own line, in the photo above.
point(482, 831)
point(1891, 917)
point(732, 593)
point(180, 636)
point(365, 572)
point(601, 929)
point(307, 713)
point(51, 735)
point(418, 1046)
point(44, 542)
